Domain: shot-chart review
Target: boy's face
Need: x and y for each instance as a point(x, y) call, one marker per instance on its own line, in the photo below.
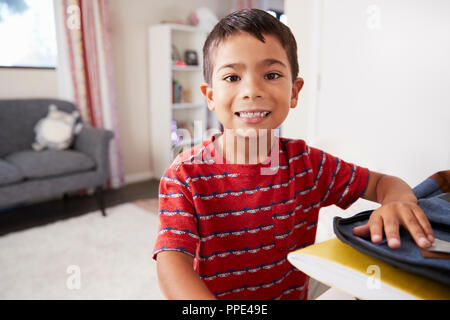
point(251, 86)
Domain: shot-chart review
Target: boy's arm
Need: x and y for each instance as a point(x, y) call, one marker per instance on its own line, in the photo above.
point(398, 207)
point(177, 278)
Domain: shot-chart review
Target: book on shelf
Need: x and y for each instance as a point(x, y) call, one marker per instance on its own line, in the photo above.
point(181, 96)
point(177, 92)
point(342, 267)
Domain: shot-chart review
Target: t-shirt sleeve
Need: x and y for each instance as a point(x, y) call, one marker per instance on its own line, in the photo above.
point(178, 229)
point(337, 181)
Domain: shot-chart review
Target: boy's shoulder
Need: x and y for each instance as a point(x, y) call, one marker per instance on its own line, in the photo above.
point(291, 141)
point(190, 155)
point(292, 146)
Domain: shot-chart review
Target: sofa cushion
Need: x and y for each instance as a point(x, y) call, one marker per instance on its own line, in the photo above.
point(9, 173)
point(34, 164)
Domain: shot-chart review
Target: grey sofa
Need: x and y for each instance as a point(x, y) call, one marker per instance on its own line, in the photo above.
point(28, 176)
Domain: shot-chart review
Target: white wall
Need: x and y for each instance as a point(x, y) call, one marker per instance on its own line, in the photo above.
point(383, 100)
point(28, 83)
point(303, 20)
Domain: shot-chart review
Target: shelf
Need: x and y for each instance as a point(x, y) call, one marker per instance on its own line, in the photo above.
point(186, 68)
point(168, 83)
point(186, 105)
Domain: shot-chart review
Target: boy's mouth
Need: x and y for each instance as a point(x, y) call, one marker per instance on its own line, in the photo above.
point(259, 114)
point(252, 117)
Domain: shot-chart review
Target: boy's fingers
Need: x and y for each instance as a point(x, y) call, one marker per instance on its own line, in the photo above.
point(391, 229)
point(424, 223)
point(362, 231)
point(376, 227)
point(411, 223)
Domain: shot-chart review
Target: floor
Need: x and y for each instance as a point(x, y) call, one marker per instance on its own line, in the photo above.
point(25, 217)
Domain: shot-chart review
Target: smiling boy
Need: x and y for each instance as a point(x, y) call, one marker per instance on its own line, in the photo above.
point(226, 228)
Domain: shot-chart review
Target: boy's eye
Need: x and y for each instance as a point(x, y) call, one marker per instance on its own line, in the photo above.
point(272, 76)
point(232, 78)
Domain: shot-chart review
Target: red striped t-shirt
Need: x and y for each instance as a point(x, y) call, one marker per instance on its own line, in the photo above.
point(239, 224)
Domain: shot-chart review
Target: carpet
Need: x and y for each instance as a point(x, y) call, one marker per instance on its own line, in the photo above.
point(86, 257)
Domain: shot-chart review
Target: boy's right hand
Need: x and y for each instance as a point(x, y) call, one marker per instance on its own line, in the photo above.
point(177, 278)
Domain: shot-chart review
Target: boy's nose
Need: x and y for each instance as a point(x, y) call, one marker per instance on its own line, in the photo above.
point(252, 90)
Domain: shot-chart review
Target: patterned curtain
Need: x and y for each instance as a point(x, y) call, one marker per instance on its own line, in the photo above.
point(90, 67)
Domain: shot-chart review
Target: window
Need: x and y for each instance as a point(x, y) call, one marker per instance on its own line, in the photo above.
point(27, 34)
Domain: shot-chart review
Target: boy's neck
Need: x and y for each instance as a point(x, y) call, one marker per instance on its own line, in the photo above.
point(237, 149)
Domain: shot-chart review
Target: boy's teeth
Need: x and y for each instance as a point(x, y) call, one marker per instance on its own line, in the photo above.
point(253, 114)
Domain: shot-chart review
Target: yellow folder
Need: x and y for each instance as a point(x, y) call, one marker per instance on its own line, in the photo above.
point(342, 267)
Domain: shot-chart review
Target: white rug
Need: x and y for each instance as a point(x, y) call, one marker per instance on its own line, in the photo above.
point(87, 257)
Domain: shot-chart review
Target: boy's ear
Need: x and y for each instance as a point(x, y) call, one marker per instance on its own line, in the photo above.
point(296, 87)
point(207, 91)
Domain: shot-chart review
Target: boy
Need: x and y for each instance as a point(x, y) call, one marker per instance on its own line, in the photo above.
point(228, 217)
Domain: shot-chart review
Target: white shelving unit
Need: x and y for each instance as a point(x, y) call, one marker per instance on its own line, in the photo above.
point(191, 108)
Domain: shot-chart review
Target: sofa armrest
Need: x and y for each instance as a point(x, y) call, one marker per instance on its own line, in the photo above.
point(94, 142)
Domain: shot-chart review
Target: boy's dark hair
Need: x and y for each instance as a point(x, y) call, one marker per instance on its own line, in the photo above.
point(255, 22)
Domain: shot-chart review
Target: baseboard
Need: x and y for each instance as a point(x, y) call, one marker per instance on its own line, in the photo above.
point(138, 177)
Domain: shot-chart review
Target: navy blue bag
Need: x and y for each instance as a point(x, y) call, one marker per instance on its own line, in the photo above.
point(434, 199)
